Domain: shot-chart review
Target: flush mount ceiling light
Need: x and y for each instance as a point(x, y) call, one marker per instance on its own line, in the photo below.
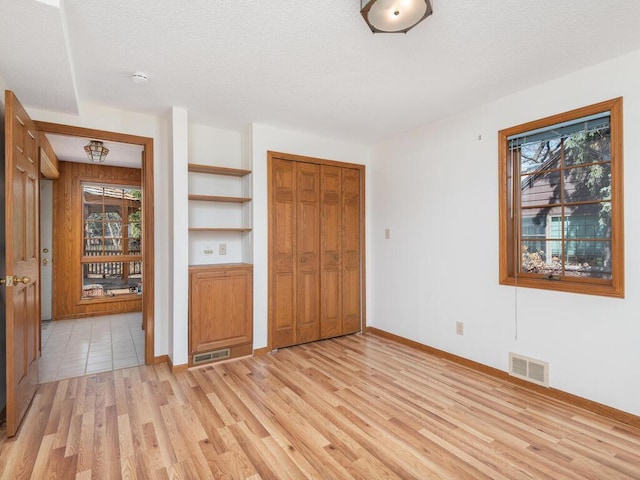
point(96, 151)
point(394, 16)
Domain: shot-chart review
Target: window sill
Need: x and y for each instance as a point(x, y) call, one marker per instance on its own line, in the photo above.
point(604, 289)
point(107, 299)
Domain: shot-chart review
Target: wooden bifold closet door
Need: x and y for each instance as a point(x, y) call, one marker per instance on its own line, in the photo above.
point(315, 250)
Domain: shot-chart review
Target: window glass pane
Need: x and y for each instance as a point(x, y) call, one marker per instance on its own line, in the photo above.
point(131, 193)
point(134, 245)
point(135, 268)
point(533, 226)
point(93, 229)
point(588, 146)
point(112, 219)
point(540, 253)
point(93, 246)
point(538, 261)
point(93, 216)
point(585, 184)
point(538, 156)
point(588, 221)
point(106, 279)
point(113, 229)
point(541, 188)
point(591, 259)
point(541, 222)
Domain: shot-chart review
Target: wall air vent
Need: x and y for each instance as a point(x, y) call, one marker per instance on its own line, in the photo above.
point(211, 356)
point(529, 369)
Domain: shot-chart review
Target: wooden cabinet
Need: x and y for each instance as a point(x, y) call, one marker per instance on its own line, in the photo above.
point(315, 228)
point(220, 311)
point(220, 290)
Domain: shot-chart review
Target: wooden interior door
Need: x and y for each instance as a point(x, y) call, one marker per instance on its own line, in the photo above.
point(331, 256)
point(22, 188)
point(308, 249)
point(352, 254)
point(283, 298)
point(295, 247)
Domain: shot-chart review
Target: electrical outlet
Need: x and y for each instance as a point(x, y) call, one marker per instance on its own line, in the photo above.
point(387, 233)
point(222, 249)
point(460, 328)
point(208, 250)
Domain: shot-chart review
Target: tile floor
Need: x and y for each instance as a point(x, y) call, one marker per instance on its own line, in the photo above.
point(72, 348)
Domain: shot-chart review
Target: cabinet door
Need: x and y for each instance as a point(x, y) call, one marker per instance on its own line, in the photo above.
point(221, 312)
point(331, 251)
point(351, 251)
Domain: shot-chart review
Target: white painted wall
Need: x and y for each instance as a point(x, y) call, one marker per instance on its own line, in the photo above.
point(158, 128)
point(179, 331)
point(221, 148)
point(265, 138)
point(436, 188)
point(215, 146)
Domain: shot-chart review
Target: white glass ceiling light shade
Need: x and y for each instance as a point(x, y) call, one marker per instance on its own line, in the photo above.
point(394, 16)
point(96, 151)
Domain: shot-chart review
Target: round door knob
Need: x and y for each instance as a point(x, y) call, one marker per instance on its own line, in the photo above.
point(24, 280)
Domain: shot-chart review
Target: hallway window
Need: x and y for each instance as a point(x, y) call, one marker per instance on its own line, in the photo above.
point(111, 257)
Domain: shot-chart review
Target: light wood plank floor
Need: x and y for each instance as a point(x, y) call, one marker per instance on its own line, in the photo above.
point(355, 407)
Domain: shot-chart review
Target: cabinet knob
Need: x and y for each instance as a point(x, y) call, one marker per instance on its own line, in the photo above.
point(336, 257)
point(303, 260)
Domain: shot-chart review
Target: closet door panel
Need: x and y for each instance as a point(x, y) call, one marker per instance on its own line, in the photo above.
point(308, 320)
point(308, 252)
point(351, 251)
point(285, 292)
point(331, 241)
point(285, 255)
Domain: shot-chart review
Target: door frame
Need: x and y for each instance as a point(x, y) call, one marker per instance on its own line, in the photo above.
point(271, 156)
point(147, 184)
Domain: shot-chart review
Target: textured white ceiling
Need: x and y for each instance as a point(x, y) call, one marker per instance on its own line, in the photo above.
point(305, 65)
point(34, 59)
